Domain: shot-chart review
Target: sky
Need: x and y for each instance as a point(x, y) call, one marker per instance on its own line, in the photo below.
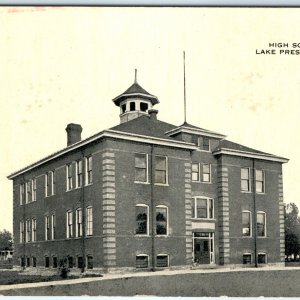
point(61, 65)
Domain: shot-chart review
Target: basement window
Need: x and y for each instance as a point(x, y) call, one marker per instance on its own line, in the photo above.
point(246, 258)
point(34, 261)
point(90, 263)
point(262, 258)
point(162, 261)
point(27, 261)
point(141, 261)
point(144, 106)
point(47, 262)
point(80, 262)
point(70, 261)
point(54, 262)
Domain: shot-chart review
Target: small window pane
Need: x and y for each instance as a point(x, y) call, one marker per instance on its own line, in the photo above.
point(245, 173)
point(160, 163)
point(201, 208)
point(160, 177)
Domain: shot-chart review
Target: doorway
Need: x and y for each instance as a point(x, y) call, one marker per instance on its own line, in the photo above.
point(203, 244)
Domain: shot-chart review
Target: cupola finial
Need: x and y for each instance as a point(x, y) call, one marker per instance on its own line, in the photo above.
point(135, 75)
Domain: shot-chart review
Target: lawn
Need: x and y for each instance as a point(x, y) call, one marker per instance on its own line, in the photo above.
point(15, 277)
point(275, 283)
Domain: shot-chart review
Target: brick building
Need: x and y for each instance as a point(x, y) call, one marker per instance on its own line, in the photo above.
point(146, 194)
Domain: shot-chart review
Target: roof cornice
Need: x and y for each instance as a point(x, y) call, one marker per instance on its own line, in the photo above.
point(261, 156)
point(110, 134)
point(195, 131)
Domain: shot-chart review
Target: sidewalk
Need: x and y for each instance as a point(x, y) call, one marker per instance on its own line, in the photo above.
point(142, 274)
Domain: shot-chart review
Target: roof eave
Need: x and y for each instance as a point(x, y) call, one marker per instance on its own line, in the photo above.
point(104, 134)
point(247, 154)
point(152, 98)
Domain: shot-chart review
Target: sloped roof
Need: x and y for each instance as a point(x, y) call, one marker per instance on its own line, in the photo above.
point(144, 125)
point(135, 90)
point(189, 128)
point(231, 148)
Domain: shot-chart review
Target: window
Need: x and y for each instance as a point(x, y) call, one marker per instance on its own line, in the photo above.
point(262, 258)
point(90, 263)
point(203, 143)
point(162, 261)
point(69, 224)
point(34, 189)
point(260, 181)
point(247, 224)
point(79, 222)
point(28, 231)
point(28, 191)
point(78, 173)
point(205, 172)
point(246, 258)
point(22, 193)
point(47, 262)
point(143, 106)
point(27, 261)
point(80, 263)
point(161, 169)
point(89, 220)
point(89, 170)
point(53, 225)
point(141, 261)
point(123, 107)
point(47, 228)
point(33, 230)
point(261, 224)
point(245, 179)
point(69, 177)
point(54, 262)
point(161, 220)
point(22, 262)
point(22, 229)
point(141, 167)
point(70, 261)
point(203, 208)
point(49, 183)
point(142, 223)
point(132, 106)
point(34, 261)
point(195, 172)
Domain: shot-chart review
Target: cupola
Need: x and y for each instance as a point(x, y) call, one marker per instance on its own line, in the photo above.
point(134, 102)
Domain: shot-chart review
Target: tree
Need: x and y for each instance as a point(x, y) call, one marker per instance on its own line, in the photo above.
point(5, 240)
point(292, 230)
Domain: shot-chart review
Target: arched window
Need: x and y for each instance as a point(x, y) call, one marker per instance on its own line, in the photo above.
point(161, 220)
point(141, 219)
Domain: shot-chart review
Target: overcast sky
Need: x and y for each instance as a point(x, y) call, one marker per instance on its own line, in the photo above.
point(62, 65)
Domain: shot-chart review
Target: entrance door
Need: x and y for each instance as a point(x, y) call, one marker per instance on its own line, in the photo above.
point(202, 251)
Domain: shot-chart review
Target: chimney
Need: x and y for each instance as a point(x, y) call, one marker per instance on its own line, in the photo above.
point(73, 133)
point(153, 114)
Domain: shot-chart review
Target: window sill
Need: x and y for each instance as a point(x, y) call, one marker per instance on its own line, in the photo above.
point(204, 219)
point(161, 184)
point(247, 237)
point(142, 235)
point(142, 182)
point(162, 235)
point(88, 184)
point(260, 193)
point(48, 196)
point(201, 150)
point(246, 192)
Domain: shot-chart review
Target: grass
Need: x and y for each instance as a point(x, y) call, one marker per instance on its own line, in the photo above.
point(269, 283)
point(14, 277)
